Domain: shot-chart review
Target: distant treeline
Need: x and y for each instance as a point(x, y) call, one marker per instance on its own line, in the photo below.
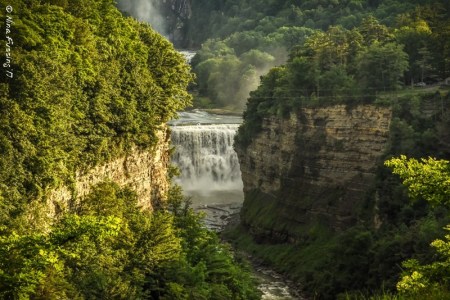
point(240, 41)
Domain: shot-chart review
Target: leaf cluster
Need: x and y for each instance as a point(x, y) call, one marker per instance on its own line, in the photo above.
point(111, 249)
point(428, 179)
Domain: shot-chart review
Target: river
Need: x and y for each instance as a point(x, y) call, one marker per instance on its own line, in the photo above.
point(211, 177)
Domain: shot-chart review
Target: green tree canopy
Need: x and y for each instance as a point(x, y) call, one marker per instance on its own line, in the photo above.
point(382, 66)
point(88, 84)
point(428, 179)
point(112, 249)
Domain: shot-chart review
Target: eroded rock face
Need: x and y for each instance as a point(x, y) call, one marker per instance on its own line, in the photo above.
point(318, 164)
point(144, 171)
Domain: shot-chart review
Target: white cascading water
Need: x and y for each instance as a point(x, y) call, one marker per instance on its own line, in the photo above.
point(211, 175)
point(206, 158)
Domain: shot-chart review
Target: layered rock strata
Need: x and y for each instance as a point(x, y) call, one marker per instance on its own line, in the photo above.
point(142, 170)
point(314, 167)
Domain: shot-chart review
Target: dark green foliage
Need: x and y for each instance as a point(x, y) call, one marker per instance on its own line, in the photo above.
point(359, 259)
point(221, 19)
point(417, 125)
point(380, 67)
point(88, 84)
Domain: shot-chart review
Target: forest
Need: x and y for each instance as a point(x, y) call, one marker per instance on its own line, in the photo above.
point(326, 38)
point(89, 85)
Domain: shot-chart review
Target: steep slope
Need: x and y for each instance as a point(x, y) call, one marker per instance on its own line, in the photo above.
point(83, 148)
point(89, 89)
point(144, 171)
point(315, 166)
point(319, 204)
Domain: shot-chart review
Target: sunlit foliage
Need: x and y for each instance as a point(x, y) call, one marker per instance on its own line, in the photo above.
point(88, 84)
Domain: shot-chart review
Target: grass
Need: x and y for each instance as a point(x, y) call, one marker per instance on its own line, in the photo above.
point(297, 261)
point(387, 97)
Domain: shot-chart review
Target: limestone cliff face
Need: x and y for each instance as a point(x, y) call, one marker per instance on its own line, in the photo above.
point(144, 171)
point(315, 166)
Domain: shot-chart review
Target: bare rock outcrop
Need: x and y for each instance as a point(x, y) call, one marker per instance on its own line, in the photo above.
point(142, 170)
point(316, 165)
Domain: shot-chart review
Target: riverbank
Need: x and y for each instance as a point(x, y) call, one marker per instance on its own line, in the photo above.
point(224, 218)
point(274, 285)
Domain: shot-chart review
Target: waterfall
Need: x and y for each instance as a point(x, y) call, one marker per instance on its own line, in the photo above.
point(206, 158)
point(188, 54)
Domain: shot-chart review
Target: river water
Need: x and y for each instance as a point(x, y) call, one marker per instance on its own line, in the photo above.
point(211, 177)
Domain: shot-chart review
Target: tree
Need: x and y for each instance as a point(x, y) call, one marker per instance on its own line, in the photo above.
point(304, 74)
point(428, 179)
point(415, 33)
point(424, 63)
point(380, 67)
point(337, 84)
point(373, 31)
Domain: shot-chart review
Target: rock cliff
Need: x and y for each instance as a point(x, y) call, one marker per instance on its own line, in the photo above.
point(314, 167)
point(144, 171)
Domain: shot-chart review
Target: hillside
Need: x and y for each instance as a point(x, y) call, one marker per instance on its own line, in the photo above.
point(321, 207)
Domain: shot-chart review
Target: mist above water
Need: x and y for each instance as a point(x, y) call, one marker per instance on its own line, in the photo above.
point(204, 153)
point(145, 11)
point(206, 158)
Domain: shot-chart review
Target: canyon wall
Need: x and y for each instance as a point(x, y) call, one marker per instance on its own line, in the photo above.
point(314, 167)
point(142, 170)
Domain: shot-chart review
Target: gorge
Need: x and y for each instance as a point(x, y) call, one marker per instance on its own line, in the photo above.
point(319, 204)
point(335, 176)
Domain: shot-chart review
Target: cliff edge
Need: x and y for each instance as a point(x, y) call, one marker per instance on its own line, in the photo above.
point(315, 166)
point(145, 171)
